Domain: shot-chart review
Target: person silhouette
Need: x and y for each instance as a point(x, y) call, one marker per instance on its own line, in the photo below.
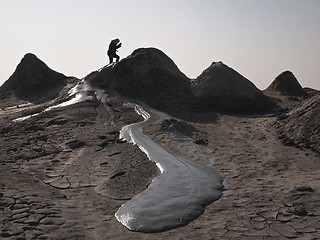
point(113, 46)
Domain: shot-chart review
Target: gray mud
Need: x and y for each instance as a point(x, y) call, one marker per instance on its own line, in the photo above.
point(176, 197)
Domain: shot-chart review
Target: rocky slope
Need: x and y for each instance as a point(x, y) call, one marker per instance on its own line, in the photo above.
point(300, 126)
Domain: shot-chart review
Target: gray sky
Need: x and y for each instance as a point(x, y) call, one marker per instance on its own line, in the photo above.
point(258, 38)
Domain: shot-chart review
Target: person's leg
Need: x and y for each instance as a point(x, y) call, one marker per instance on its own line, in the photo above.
point(110, 59)
point(117, 57)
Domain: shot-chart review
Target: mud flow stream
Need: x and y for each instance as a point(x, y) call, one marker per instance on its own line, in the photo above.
point(175, 197)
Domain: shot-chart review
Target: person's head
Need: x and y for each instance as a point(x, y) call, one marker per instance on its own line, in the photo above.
point(117, 40)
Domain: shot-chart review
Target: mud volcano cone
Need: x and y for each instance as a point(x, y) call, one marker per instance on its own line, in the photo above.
point(220, 88)
point(287, 84)
point(32, 76)
point(151, 76)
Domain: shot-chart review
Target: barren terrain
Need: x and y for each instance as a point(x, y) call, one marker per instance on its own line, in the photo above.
point(64, 173)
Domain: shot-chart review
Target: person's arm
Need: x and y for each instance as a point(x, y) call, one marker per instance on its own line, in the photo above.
point(118, 45)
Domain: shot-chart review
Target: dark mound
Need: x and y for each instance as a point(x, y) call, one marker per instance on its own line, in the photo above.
point(220, 88)
point(32, 76)
point(301, 126)
point(173, 125)
point(287, 84)
point(151, 76)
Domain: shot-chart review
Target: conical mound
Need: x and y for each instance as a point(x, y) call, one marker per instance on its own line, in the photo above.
point(287, 84)
point(223, 89)
point(151, 76)
point(31, 76)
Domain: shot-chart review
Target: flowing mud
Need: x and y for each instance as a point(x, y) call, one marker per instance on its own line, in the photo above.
point(174, 198)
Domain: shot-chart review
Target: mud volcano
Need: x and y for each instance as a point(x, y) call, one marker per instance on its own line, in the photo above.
point(287, 84)
point(33, 76)
point(220, 88)
point(151, 76)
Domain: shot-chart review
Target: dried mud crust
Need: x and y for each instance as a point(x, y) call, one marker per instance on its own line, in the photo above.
point(64, 173)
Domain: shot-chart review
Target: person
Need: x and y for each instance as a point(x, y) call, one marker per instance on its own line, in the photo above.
point(113, 46)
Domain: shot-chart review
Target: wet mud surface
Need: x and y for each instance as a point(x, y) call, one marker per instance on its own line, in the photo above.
point(176, 197)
